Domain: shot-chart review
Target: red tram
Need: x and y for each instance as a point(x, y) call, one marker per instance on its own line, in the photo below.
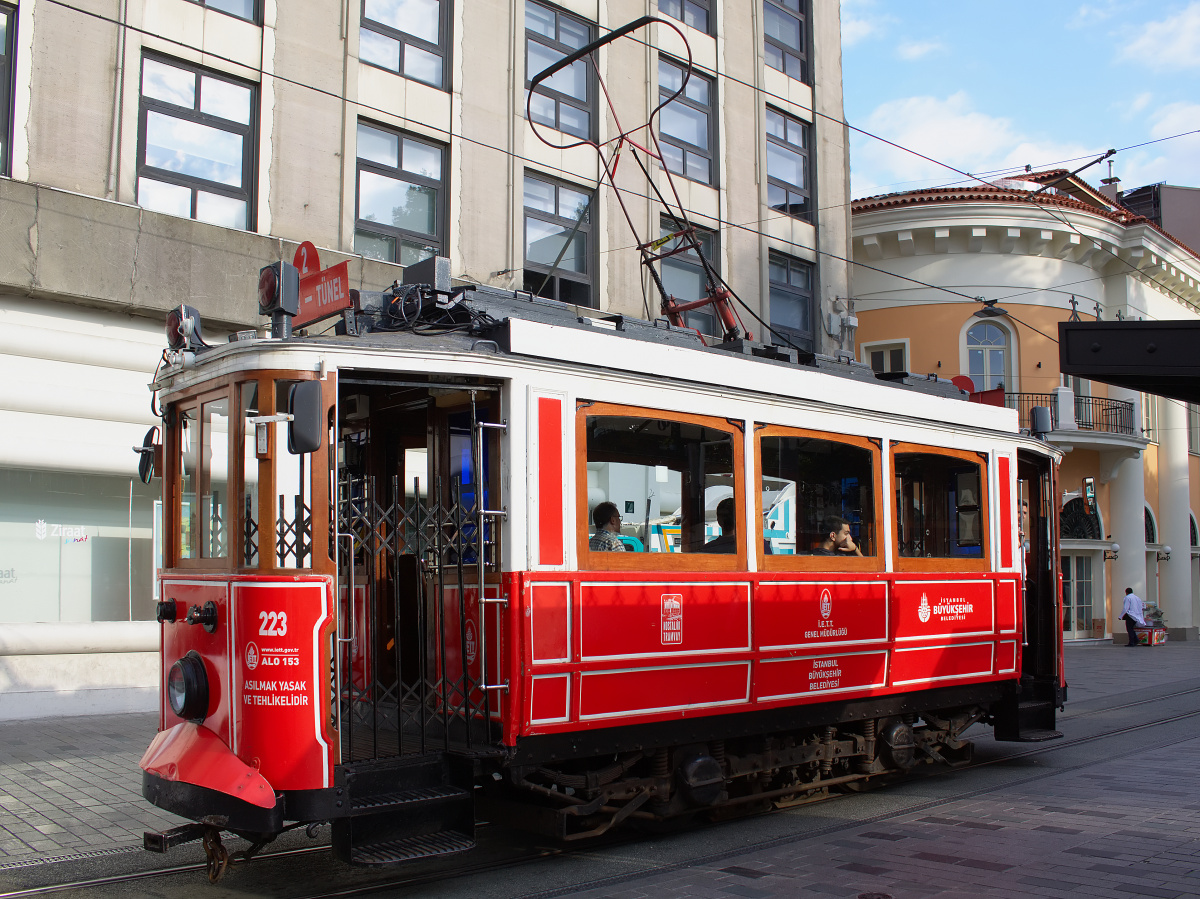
point(381, 607)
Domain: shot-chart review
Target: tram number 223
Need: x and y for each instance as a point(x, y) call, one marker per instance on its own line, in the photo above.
point(274, 624)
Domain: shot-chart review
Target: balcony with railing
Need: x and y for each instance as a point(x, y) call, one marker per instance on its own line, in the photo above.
point(1085, 413)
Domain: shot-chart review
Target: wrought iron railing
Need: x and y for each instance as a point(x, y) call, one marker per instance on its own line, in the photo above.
point(1024, 403)
point(1092, 413)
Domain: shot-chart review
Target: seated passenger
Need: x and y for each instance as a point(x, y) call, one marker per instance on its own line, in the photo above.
point(608, 528)
point(727, 521)
point(838, 540)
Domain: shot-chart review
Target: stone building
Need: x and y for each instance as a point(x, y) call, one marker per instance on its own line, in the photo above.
point(1009, 262)
point(158, 152)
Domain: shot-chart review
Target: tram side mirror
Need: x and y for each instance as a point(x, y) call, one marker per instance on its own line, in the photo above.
point(1040, 421)
point(151, 456)
point(304, 405)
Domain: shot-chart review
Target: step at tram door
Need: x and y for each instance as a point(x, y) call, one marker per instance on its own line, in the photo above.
point(1030, 715)
point(418, 655)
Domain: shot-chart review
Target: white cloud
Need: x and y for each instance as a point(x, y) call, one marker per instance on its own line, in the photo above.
point(1140, 102)
point(855, 30)
point(1089, 13)
point(1176, 161)
point(1173, 43)
point(949, 130)
point(911, 50)
point(862, 20)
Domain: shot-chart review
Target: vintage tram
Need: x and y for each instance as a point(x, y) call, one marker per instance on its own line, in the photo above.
point(385, 607)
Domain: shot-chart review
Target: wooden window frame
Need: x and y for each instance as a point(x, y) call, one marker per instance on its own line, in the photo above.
point(903, 564)
point(806, 562)
point(647, 561)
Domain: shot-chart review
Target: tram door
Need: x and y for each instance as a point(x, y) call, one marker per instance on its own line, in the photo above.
point(1031, 714)
point(409, 655)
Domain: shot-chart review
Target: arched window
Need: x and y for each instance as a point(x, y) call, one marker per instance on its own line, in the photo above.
point(1195, 533)
point(987, 356)
point(1151, 530)
point(1078, 522)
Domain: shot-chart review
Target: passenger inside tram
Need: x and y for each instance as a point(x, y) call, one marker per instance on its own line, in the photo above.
point(838, 539)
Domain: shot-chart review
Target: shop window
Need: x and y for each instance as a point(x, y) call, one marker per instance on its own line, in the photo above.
point(684, 277)
point(241, 9)
point(941, 513)
point(697, 13)
point(988, 357)
point(558, 241)
point(686, 124)
point(400, 196)
point(788, 165)
point(786, 43)
point(196, 144)
point(664, 487)
point(406, 36)
point(565, 101)
point(8, 25)
point(813, 486)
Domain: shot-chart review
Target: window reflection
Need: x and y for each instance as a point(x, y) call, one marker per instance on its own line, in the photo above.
point(939, 506)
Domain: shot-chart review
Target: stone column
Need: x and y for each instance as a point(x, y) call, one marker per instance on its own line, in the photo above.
point(1127, 517)
point(1174, 574)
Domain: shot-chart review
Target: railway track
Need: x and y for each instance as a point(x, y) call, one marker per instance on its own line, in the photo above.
point(521, 858)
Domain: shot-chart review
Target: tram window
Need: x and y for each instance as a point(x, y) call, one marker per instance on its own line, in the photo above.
point(214, 478)
point(189, 484)
point(666, 478)
point(939, 503)
point(809, 482)
point(249, 505)
point(293, 495)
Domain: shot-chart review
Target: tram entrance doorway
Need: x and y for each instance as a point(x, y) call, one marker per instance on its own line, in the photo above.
point(418, 648)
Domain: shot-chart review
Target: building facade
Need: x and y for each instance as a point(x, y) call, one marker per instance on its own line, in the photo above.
point(158, 152)
point(1010, 261)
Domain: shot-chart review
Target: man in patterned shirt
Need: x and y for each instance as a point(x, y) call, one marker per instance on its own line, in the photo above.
point(608, 528)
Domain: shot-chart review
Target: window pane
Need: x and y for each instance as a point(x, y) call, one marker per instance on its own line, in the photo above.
point(248, 507)
point(422, 159)
point(774, 57)
point(678, 476)
point(683, 281)
point(781, 27)
point(539, 195)
point(776, 124)
point(225, 100)
point(672, 8)
point(190, 148)
point(422, 65)
point(169, 84)
point(573, 120)
point(173, 199)
point(379, 50)
point(790, 311)
point(378, 146)
point(411, 251)
point(940, 506)
point(243, 9)
point(574, 292)
point(373, 246)
point(799, 275)
point(391, 201)
point(214, 502)
point(541, 109)
point(540, 20)
point(572, 204)
point(571, 81)
point(573, 33)
point(814, 488)
point(416, 17)
point(672, 158)
point(189, 472)
point(699, 168)
point(670, 77)
point(544, 241)
point(793, 67)
point(218, 210)
point(697, 89)
point(685, 123)
point(696, 16)
point(785, 165)
point(778, 269)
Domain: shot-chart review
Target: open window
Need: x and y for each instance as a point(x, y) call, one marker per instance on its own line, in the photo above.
point(812, 485)
point(941, 508)
point(659, 491)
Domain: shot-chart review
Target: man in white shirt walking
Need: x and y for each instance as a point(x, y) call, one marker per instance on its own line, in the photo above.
point(1133, 615)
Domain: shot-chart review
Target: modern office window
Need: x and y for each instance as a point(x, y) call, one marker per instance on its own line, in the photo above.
point(787, 165)
point(242, 9)
point(566, 100)
point(196, 142)
point(886, 357)
point(697, 13)
point(683, 275)
point(987, 357)
point(558, 241)
point(406, 36)
point(786, 42)
point(8, 24)
point(791, 299)
point(686, 133)
point(400, 198)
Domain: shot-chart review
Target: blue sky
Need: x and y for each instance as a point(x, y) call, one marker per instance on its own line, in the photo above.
point(986, 86)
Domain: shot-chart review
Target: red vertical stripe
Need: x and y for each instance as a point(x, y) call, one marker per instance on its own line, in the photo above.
point(550, 482)
point(1006, 513)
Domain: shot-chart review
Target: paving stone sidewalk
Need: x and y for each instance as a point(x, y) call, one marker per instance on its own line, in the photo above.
point(72, 785)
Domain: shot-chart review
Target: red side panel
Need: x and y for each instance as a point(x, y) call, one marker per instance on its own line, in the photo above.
point(1006, 606)
point(550, 622)
point(929, 609)
point(791, 614)
point(550, 481)
point(939, 663)
point(550, 698)
point(608, 694)
point(838, 673)
point(189, 753)
point(1006, 514)
point(216, 649)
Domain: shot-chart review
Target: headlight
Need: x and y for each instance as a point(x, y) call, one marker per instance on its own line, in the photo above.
point(187, 688)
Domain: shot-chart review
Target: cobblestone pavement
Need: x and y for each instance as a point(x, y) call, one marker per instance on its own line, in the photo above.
point(71, 787)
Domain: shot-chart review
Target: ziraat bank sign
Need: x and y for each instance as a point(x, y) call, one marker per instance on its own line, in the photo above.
point(68, 533)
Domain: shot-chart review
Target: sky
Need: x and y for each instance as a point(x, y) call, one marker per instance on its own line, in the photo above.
point(1051, 84)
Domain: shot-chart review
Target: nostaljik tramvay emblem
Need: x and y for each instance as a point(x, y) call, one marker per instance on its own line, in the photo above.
point(826, 604)
point(923, 611)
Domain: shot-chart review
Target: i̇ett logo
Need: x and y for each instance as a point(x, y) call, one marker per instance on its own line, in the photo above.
point(251, 656)
point(826, 604)
point(923, 611)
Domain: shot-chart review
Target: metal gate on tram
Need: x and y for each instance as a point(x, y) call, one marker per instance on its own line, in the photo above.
point(417, 657)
